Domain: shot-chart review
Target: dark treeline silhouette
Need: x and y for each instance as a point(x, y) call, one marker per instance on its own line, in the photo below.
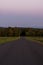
point(17, 31)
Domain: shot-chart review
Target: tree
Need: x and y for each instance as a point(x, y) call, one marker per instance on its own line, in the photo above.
point(10, 32)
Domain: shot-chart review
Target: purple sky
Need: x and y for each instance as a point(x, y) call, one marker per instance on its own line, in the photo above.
point(22, 13)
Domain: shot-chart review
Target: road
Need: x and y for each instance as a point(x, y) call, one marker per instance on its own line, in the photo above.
point(21, 52)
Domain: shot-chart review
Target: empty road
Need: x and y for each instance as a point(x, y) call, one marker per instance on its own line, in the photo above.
point(21, 52)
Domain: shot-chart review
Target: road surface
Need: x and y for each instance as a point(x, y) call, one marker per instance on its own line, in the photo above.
point(21, 52)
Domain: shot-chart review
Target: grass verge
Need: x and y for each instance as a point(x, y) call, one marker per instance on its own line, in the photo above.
point(7, 39)
point(36, 39)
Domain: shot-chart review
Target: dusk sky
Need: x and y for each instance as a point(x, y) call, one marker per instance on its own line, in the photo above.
point(21, 13)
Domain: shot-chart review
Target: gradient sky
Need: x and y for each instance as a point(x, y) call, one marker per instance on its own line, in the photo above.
point(22, 13)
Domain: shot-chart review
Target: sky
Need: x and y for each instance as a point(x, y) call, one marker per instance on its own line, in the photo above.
point(21, 13)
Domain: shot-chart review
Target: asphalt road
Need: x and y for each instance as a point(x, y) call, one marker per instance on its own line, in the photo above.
point(21, 52)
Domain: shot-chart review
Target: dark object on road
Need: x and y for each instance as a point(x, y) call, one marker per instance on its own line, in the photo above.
point(23, 33)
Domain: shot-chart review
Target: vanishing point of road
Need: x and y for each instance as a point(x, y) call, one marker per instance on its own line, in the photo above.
point(21, 52)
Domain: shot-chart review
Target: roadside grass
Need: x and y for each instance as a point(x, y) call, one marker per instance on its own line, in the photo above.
point(7, 39)
point(37, 39)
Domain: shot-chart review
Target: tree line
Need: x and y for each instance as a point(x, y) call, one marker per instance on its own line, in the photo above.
point(17, 31)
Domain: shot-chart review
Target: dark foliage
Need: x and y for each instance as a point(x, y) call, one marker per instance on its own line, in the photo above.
point(16, 31)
